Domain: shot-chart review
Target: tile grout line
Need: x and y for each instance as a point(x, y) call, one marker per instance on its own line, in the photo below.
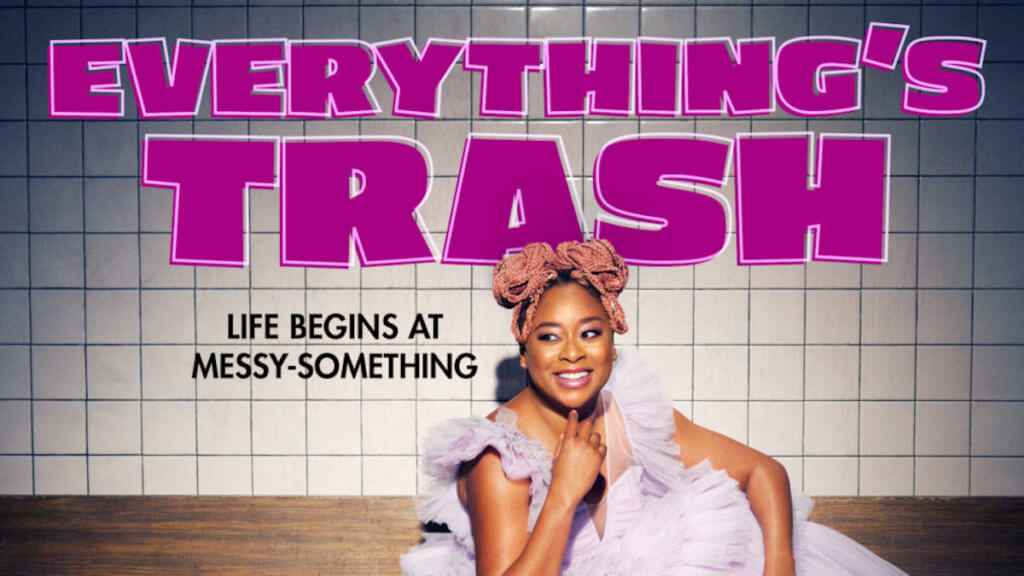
point(248, 247)
point(305, 280)
point(362, 456)
point(416, 296)
point(750, 274)
point(860, 291)
point(28, 227)
point(138, 230)
point(693, 284)
point(803, 410)
point(85, 285)
point(974, 227)
point(917, 286)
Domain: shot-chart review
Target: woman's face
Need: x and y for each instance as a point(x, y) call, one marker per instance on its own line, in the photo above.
point(570, 349)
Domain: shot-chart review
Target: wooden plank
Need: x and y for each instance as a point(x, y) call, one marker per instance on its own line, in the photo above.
point(365, 535)
point(934, 536)
point(205, 535)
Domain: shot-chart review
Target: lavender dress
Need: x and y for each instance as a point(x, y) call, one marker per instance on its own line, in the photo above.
point(657, 518)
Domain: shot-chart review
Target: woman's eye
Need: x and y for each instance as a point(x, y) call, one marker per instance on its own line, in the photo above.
point(591, 333)
point(547, 337)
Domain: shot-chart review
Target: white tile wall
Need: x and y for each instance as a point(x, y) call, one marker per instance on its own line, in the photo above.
point(729, 418)
point(15, 428)
point(720, 372)
point(335, 475)
point(886, 428)
point(168, 427)
point(15, 372)
point(776, 316)
point(903, 378)
point(776, 372)
point(389, 475)
point(278, 427)
point(279, 475)
point(58, 317)
point(58, 427)
point(996, 372)
point(115, 475)
point(16, 474)
point(113, 372)
point(887, 372)
point(989, 423)
point(941, 476)
point(166, 372)
point(114, 427)
point(832, 372)
point(997, 476)
point(830, 428)
point(887, 316)
point(223, 427)
point(831, 476)
point(886, 476)
point(664, 317)
point(333, 427)
point(944, 373)
point(225, 475)
point(60, 475)
point(58, 371)
point(833, 317)
point(777, 427)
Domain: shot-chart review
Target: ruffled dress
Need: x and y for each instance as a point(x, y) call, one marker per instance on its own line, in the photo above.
point(658, 517)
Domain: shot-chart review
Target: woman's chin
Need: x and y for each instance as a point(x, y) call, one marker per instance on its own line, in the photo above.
point(573, 397)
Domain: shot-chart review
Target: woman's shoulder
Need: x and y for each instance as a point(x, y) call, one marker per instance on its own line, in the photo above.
point(455, 442)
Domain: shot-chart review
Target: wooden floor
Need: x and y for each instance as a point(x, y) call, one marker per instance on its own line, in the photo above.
point(308, 535)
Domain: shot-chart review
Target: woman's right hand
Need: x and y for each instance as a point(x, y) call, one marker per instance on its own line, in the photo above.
point(577, 461)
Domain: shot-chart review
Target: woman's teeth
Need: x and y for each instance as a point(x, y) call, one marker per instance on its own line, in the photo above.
point(573, 379)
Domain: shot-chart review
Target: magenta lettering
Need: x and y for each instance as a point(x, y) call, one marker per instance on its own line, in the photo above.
point(651, 77)
point(661, 192)
point(846, 206)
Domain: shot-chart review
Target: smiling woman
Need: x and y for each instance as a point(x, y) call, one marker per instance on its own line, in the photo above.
point(589, 470)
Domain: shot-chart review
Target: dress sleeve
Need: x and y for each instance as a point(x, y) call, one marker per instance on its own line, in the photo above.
point(451, 443)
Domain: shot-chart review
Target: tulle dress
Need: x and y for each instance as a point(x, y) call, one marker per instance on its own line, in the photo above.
point(657, 518)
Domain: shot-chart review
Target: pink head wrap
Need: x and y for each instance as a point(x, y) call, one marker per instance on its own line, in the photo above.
point(521, 278)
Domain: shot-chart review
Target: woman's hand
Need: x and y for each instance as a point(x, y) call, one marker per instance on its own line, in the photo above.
point(577, 461)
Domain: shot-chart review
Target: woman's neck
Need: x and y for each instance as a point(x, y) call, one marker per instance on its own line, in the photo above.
point(553, 417)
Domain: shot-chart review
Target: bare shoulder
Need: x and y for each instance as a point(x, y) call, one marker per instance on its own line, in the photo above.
point(697, 443)
point(685, 430)
point(682, 422)
point(484, 478)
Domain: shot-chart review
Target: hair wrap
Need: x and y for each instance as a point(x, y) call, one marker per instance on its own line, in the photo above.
point(521, 278)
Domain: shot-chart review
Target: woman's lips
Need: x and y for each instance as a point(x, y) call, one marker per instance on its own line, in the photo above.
point(577, 382)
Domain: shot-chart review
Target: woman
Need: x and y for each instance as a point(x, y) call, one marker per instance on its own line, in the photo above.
point(589, 470)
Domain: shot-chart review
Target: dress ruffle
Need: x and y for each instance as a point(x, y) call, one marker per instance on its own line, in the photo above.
point(664, 519)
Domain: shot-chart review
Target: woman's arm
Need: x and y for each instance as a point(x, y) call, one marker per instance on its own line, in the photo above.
point(499, 512)
point(764, 480)
point(499, 508)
